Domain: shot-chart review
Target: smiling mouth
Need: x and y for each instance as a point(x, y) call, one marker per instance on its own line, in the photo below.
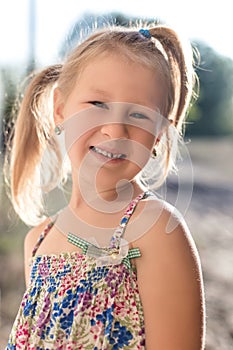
point(107, 154)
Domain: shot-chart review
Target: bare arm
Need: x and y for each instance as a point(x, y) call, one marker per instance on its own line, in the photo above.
point(171, 287)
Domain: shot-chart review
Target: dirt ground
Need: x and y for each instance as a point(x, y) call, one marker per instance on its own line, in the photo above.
point(209, 216)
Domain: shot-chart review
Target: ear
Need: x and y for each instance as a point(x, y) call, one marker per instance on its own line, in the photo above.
point(158, 138)
point(58, 106)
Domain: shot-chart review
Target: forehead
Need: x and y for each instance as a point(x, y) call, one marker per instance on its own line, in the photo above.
point(121, 80)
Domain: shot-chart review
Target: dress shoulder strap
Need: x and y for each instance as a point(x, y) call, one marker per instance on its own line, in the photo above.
point(42, 237)
point(119, 232)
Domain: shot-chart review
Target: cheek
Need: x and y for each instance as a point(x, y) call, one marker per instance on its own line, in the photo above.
point(74, 154)
point(144, 138)
point(142, 144)
point(76, 146)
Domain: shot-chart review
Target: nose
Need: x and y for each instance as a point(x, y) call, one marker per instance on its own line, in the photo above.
point(116, 126)
point(115, 130)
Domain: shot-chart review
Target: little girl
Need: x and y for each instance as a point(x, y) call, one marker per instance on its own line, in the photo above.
point(117, 267)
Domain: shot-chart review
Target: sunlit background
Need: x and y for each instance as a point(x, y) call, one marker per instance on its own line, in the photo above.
point(34, 33)
point(48, 21)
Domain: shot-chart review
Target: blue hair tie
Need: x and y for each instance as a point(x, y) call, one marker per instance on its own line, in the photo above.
point(145, 33)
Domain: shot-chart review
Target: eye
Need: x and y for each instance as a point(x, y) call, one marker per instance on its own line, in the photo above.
point(139, 116)
point(99, 104)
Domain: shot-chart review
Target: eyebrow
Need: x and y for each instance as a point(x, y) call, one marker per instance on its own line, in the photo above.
point(100, 92)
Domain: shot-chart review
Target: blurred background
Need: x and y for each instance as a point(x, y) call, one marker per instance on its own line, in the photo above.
point(36, 33)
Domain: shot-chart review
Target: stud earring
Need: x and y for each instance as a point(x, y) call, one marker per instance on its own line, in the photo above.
point(154, 153)
point(58, 129)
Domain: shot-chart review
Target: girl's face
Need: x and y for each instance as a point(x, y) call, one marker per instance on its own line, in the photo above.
point(111, 119)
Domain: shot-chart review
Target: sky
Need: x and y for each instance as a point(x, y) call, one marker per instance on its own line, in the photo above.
point(208, 21)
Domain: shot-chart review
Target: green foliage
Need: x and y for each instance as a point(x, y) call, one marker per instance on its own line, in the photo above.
point(212, 114)
point(9, 81)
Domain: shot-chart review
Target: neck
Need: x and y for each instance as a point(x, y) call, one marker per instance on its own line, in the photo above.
point(103, 199)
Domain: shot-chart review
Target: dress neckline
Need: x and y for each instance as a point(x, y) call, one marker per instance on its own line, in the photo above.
point(115, 242)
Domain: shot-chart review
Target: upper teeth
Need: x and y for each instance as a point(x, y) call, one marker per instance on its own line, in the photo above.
point(108, 154)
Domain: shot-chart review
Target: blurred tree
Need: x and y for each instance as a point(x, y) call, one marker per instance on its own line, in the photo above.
point(9, 89)
point(212, 114)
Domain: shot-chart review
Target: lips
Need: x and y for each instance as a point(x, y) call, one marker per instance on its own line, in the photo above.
point(108, 153)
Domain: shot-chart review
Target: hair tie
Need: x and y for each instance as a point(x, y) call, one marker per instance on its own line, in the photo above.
point(145, 32)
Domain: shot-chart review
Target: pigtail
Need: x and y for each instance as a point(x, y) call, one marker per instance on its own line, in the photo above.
point(31, 136)
point(181, 79)
point(179, 58)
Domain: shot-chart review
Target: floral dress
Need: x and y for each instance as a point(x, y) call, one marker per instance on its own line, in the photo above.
point(87, 300)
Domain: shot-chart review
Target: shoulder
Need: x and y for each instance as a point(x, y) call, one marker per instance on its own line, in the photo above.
point(162, 225)
point(170, 281)
point(165, 240)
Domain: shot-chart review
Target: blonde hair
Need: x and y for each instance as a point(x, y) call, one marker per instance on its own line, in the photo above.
point(34, 126)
